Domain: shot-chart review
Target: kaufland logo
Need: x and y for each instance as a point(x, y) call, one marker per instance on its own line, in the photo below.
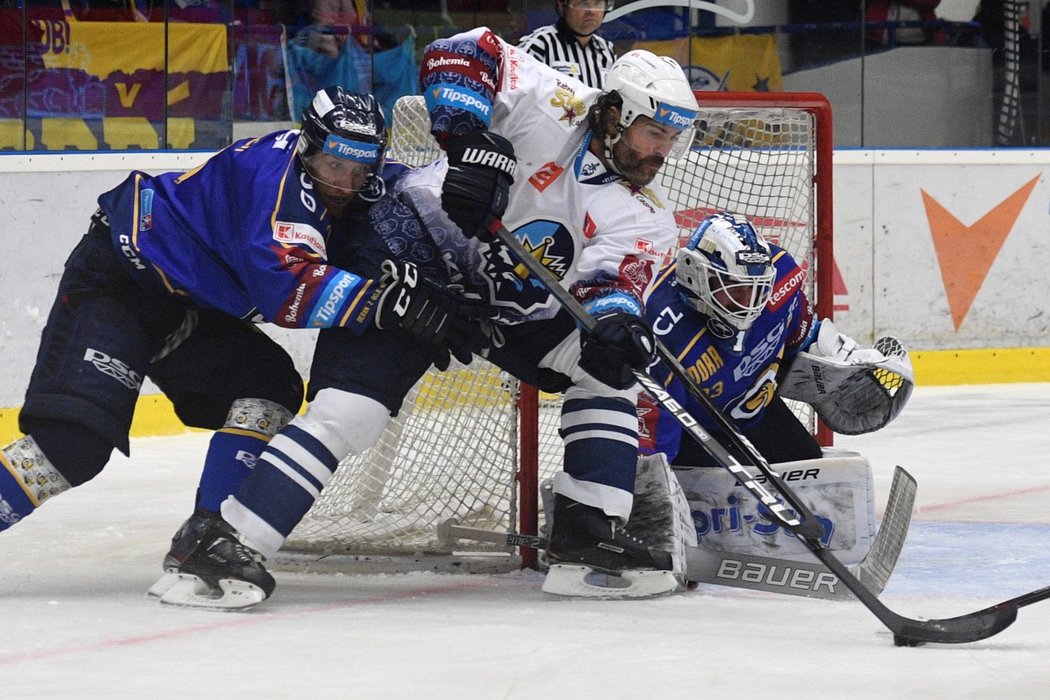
point(675, 116)
point(299, 234)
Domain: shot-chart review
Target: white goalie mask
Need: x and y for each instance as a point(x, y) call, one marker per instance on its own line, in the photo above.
point(655, 87)
point(726, 271)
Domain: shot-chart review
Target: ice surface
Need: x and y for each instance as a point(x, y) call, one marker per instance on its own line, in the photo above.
point(75, 622)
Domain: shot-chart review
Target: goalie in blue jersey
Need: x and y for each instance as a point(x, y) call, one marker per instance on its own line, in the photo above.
point(732, 308)
point(167, 283)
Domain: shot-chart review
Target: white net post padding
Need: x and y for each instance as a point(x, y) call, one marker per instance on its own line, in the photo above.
point(455, 450)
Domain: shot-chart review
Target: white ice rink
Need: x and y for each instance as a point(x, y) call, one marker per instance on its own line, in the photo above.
point(75, 622)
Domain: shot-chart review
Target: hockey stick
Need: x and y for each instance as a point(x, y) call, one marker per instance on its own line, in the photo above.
point(970, 627)
point(756, 572)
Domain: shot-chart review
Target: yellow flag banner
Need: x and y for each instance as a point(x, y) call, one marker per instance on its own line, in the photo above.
point(126, 84)
point(126, 61)
point(738, 63)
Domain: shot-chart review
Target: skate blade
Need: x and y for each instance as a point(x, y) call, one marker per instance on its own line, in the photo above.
point(187, 590)
point(579, 581)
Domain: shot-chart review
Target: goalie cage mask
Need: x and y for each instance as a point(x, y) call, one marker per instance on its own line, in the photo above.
point(349, 126)
point(726, 270)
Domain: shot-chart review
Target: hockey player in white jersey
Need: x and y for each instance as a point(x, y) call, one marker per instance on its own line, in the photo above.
point(585, 202)
point(570, 171)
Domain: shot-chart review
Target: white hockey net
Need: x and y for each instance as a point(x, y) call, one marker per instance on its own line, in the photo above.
point(455, 450)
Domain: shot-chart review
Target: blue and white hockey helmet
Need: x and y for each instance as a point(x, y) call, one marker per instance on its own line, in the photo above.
point(726, 270)
point(348, 128)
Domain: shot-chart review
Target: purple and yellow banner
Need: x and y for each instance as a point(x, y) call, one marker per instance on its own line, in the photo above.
point(112, 85)
point(117, 69)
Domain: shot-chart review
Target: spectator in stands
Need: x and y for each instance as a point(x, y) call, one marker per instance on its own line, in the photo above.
point(337, 20)
point(571, 45)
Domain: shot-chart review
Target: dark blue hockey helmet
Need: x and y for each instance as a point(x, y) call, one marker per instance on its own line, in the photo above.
point(726, 270)
point(350, 130)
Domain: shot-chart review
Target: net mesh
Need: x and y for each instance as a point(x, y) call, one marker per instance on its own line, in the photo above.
point(452, 453)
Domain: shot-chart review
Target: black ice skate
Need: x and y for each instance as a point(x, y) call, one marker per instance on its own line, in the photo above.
point(188, 537)
point(592, 555)
point(221, 572)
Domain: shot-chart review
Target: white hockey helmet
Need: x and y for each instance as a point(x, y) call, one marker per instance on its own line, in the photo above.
point(726, 270)
point(655, 87)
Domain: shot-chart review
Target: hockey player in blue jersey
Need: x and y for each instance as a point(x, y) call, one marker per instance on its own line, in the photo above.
point(588, 201)
point(167, 282)
point(733, 310)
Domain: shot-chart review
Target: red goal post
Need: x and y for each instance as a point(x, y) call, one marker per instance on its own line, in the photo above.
point(774, 135)
point(472, 445)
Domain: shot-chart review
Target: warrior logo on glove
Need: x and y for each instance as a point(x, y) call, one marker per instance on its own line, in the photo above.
point(476, 189)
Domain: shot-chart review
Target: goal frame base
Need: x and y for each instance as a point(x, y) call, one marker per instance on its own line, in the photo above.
point(363, 564)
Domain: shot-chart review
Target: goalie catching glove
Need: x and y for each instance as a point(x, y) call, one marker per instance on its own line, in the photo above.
point(618, 343)
point(440, 315)
point(854, 390)
point(476, 189)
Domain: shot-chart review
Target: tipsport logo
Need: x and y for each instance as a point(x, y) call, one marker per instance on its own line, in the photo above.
point(445, 95)
point(145, 210)
point(675, 117)
point(357, 151)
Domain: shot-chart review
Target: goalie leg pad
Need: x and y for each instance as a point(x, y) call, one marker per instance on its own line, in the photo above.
point(838, 489)
point(661, 515)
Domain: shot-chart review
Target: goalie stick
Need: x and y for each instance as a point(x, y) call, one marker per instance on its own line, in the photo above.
point(970, 627)
point(755, 572)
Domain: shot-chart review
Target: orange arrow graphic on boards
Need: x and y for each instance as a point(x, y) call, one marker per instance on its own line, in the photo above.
point(966, 253)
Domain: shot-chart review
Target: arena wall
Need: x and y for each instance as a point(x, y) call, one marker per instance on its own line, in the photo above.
point(947, 250)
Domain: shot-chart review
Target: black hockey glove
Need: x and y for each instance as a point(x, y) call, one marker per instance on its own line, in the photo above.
point(619, 343)
point(481, 168)
point(440, 315)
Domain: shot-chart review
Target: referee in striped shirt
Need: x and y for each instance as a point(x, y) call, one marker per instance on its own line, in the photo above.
point(571, 46)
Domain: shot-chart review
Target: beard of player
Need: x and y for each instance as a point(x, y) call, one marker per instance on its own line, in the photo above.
point(639, 169)
point(613, 145)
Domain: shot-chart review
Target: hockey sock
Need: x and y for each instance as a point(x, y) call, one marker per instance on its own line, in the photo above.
point(234, 449)
point(230, 459)
point(27, 479)
point(296, 465)
point(288, 479)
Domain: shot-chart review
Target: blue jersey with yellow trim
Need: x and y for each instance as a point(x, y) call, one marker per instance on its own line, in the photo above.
point(740, 377)
point(244, 233)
